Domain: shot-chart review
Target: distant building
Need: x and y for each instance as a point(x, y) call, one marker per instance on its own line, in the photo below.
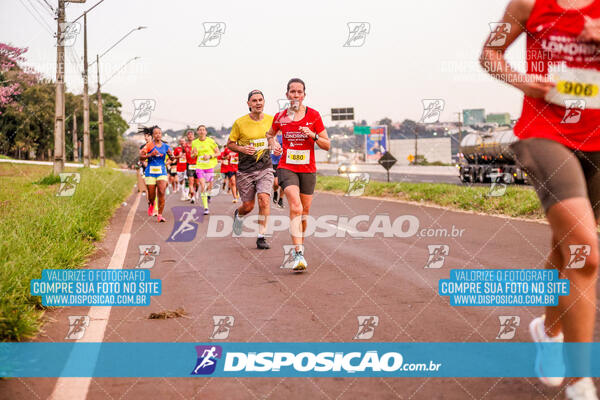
point(499, 118)
point(474, 116)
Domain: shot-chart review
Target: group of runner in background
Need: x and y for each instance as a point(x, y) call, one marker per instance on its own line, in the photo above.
point(264, 155)
point(187, 168)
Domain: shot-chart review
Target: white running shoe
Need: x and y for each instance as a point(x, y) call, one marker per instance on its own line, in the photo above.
point(583, 389)
point(547, 355)
point(299, 261)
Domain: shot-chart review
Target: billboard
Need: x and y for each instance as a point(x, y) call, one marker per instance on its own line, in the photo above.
point(376, 143)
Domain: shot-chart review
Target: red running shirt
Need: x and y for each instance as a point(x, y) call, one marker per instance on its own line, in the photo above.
point(224, 158)
point(552, 33)
point(298, 148)
point(181, 159)
point(188, 155)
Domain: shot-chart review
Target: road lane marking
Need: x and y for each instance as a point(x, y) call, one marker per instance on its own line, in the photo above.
point(77, 388)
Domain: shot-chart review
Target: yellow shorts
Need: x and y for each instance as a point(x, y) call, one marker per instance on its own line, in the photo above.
point(152, 181)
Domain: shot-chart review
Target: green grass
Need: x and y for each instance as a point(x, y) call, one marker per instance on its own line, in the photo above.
point(39, 230)
point(517, 201)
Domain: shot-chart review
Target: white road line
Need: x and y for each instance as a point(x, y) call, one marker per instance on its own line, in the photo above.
point(77, 388)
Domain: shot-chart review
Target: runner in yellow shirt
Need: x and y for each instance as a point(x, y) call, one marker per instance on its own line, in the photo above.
point(207, 151)
point(248, 138)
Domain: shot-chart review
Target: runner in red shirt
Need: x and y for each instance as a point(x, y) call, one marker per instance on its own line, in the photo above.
point(229, 166)
point(179, 154)
point(559, 148)
point(302, 129)
point(193, 182)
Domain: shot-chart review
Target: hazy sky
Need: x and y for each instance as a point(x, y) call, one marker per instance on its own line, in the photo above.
point(414, 50)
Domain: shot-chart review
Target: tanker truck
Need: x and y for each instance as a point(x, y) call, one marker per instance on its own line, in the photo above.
point(486, 157)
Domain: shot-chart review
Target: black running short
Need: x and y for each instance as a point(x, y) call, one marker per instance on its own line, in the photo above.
point(229, 174)
point(191, 173)
point(306, 181)
point(558, 173)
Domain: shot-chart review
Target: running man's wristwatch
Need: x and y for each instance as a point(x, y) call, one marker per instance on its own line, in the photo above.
point(316, 137)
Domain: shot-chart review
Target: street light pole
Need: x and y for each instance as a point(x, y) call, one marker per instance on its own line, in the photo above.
point(86, 99)
point(99, 94)
point(59, 106)
point(100, 116)
point(75, 158)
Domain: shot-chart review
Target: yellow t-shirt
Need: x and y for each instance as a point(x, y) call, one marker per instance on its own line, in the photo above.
point(247, 131)
point(205, 147)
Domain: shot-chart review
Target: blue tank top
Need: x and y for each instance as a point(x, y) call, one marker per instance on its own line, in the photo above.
point(156, 164)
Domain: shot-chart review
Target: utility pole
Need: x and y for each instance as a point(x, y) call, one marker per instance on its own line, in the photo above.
point(459, 128)
point(416, 140)
point(59, 107)
point(75, 157)
point(100, 116)
point(86, 99)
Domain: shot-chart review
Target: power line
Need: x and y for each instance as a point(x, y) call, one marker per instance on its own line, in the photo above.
point(32, 4)
point(51, 11)
point(34, 17)
point(52, 8)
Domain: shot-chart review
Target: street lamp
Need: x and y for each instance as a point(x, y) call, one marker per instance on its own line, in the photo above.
point(99, 94)
point(119, 70)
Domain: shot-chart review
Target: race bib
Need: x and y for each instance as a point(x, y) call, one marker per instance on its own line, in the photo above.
point(297, 156)
point(234, 160)
point(155, 169)
point(575, 84)
point(182, 160)
point(259, 144)
point(225, 162)
point(192, 166)
point(173, 170)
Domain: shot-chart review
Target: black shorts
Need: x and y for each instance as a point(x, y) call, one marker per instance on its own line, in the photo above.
point(191, 173)
point(306, 181)
point(229, 174)
point(558, 173)
point(173, 173)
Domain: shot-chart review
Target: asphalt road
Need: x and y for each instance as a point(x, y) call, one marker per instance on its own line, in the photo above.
point(347, 277)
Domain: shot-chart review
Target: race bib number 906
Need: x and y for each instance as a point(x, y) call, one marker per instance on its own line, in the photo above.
point(297, 156)
point(575, 84)
point(155, 169)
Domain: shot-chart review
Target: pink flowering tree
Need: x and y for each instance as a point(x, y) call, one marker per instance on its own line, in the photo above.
point(12, 76)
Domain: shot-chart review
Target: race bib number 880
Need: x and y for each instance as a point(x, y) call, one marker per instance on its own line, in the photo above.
point(297, 156)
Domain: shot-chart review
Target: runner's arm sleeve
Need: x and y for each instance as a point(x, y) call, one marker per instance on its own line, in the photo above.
point(234, 135)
